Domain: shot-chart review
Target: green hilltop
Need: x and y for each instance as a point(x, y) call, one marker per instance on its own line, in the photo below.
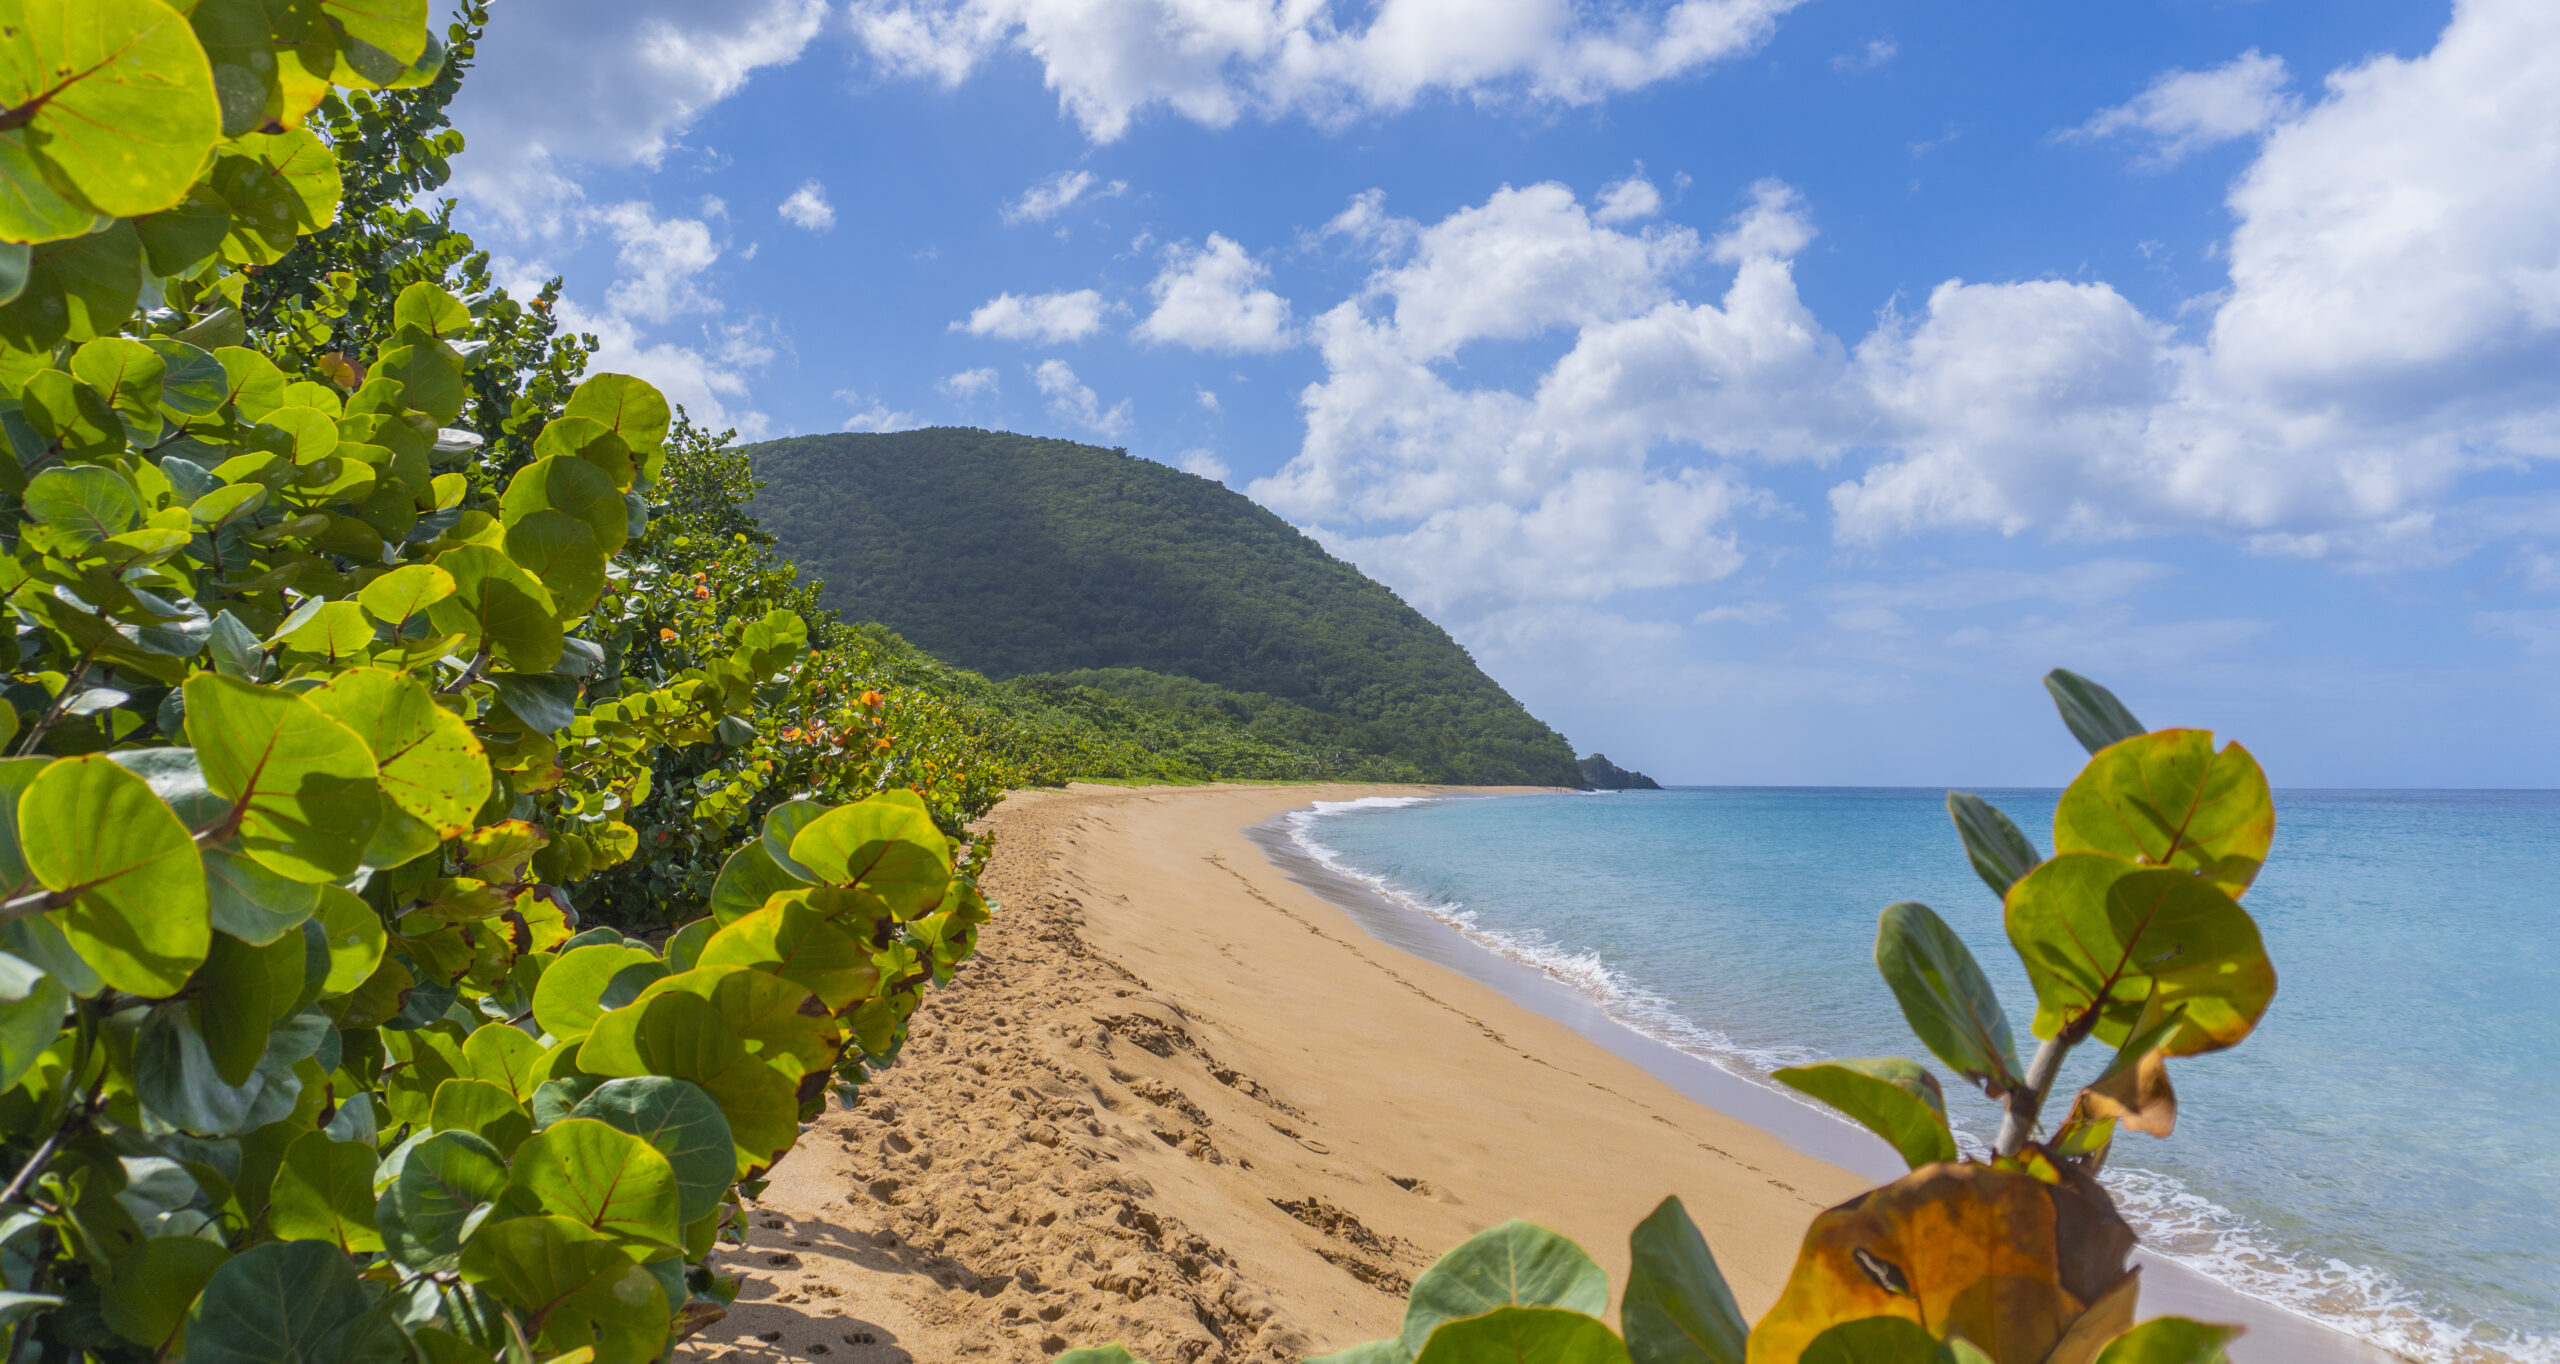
point(1065, 570)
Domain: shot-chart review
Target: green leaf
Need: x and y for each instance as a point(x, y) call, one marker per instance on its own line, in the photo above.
point(444, 1183)
point(146, 1299)
point(1999, 853)
point(1515, 1335)
point(430, 376)
point(680, 1120)
point(1517, 1264)
point(428, 307)
point(504, 1057)
point(560, 550)
point(2169, 800)
point(684, 946)
point(123, 104)
point(255, 384)
point(600, 1177)
point(577, 1283)
point(1100, 1354)
point(240, 994)
point(1874, 1340)
point(888, 845)
point(431, 765)
point(338, 633)
point(76, 289)
point(194, 384)
point(291, 1302)
point(568, 1001)
point(305, 787)
point(88, 825)
point(2099, 934)
point(355, 936)
point(2170, 1340)
point(747, 879)
point(629, 407)
point(280, 186)
point(801, 947)
point(405, 592)
point(1677, 1309)
point(324, 1192)
point(782, 824)
point(2095, 716)
point(83, 505)
point(186, 234)
point(1945, 997)
point(682, 1036)
point(31, 1007)
point(1389, 1351)
point(464, 1104)
point(1891, 1097)
point(128, 373)
point(498, 606)
point(252, 903)
point(573, 486)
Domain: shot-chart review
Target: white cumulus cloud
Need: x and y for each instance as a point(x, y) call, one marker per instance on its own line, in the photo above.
point(571, 83)
point(1214, 61)
point(1045, 318)
point(808, 208)
point(1058, 193)
point(2187, 111)
point(968, 384)
point(1072, 401)
point(1214, 298)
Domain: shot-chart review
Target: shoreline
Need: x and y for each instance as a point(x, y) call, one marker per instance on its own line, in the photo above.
point(2170, 1288)
point(1187, 1101)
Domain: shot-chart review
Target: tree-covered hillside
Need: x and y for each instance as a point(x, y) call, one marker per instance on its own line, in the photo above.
point(1015, 555)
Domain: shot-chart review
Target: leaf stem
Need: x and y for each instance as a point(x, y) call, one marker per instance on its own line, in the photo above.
point(53, 713)
point(2026, 1104)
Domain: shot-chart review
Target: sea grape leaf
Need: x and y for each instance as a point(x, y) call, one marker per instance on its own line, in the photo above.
point(1945, 997)
point(631, 408)
point(306, 787)
point(2001, 1258)
point(576, 1282)
point(1999, 853)
point(465, 1104)
point(252, 903)
point(747, 879)
point(291, 1302)
point(1388, 1351)
point(240, 994)
point(1104, 1354)
point(146, 1300)
point(32, 1003)
point(2170, 1340)
point(600, 1177)
point(2167, 799)
point(1677, 1309)
point(355, 937)
point(443, 1181)
point(2101, 934)
point(1549, 1335)
point(405, 592)
point(888, 845)
point(83, 505)
point(118, 102)
point(1517, 1264)
point(570, 485)
point(324, 1192)
point(782, 824)
point(140, 920)
point(2096, 718)
point(561, 551)
point(683, 1124)
point(429, 307)
point(75, 289)
point(498, 606)
point(801, 947)
point(1894, 1098)
point(504, 1057)
point(1875, 1340)
point(568, 1001)
point(432, 766)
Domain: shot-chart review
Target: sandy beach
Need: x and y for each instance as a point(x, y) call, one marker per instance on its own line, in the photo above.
point(1183, 1102)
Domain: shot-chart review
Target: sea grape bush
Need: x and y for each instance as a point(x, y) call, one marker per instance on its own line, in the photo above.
point(2133, 937)
point(319, 707)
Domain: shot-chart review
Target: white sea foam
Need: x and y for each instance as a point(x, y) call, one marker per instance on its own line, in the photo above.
point(2172, 1220)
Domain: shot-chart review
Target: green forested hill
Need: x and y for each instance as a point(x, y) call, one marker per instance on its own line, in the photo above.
point(1015, 556)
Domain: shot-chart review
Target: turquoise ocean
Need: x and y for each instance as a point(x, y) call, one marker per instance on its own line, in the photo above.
point(2383, 1154)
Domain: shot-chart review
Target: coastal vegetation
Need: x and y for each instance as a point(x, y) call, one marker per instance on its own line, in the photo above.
point(364, 651)
point(1018, 556)
point(2134, 940)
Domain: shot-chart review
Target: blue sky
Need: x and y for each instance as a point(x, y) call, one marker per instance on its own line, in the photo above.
point(1766, 391)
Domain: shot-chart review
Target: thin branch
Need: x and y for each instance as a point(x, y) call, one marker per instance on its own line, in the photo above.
point(469, 675)
point(53, 713)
